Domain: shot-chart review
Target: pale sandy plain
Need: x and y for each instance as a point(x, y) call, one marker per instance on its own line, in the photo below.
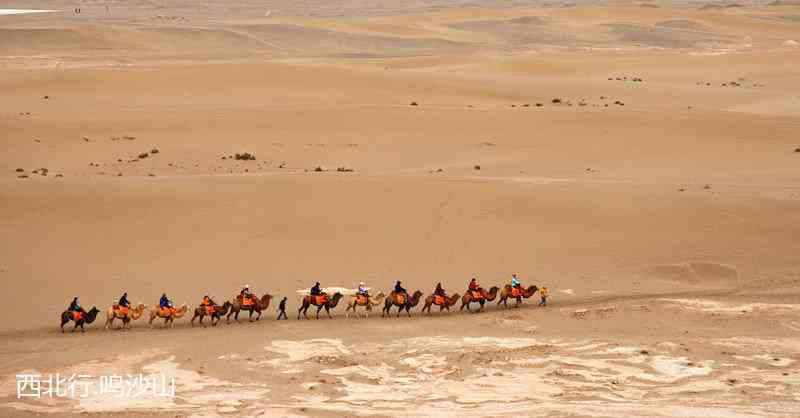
point(667, 226)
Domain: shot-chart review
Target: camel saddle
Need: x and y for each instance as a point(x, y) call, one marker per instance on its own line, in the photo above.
point(400, 298)
point(167, 310)
point(321, 299)
point(249, 301)
point(516, 292)
point(438, 299)
point(121, 309)
point(477, 295)
point(209, 309)
point(77, 315)
point(362, 299)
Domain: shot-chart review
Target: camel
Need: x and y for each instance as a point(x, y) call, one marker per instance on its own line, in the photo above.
point(217, 312)
point(445, 303)
point(320, 301)
point(518, 294)
point(407, 304)
point(480, 298)
point(169, 315)
point(258, 305)
point(114, 312)
point(84, 318)
point(367, 302)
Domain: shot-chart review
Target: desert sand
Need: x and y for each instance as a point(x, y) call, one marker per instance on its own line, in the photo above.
point(640, 159)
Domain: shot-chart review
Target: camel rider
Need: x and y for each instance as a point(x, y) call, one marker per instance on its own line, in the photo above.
point(362, 290)
point(515, 281)
point(245, 293)
point(316, 290)
point(74, 306)
point(164, 302)
point(439, 290)
point(399, 289)
point(123, 301)
point(474, 286)
point(207, 301)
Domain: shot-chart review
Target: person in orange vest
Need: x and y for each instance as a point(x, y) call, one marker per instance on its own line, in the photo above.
point(544, 292)
point(207, 301)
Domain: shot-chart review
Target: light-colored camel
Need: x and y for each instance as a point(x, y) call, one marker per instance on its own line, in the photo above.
point(327, 302)
point(217, 312)
point(444, 302)
point(84, 318)
point(258, 305)
point(168, 315)
point(113, 312)
point(480, 297)
point(509, 293)
point(404, 303)
point(366, 301)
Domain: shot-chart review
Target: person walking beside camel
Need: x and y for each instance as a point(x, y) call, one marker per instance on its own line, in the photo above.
point(282, 309)
point(544, 292)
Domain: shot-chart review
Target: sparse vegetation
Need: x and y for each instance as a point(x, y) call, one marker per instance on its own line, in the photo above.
point(245, 156)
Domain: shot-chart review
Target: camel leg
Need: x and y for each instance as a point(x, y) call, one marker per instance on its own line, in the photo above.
point(75, 327)
point(259, 316)
point(328, 311)
point(481, 308)
point(82, 330)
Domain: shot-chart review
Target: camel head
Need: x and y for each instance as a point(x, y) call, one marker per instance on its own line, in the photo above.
point(334, 300)
point(91, 315)
point(415, 298)
point(182, 310)
point(531, 290)
point(137, 311)
point(377, 299)
point(492, 293)
point(453, 299)
point(226, 307)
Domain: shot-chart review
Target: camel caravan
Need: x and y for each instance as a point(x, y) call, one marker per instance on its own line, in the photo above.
point(360, 302)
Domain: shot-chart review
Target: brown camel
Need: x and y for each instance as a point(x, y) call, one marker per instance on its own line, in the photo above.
point(403, 302)
point(366, 301)
point(116, 312)
point(169, 314)
point(320, 301)
point(80, 319)
point(444, 302)
point(215, 312)
point(480, 297)
point(518, 294)
point(256, 305)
